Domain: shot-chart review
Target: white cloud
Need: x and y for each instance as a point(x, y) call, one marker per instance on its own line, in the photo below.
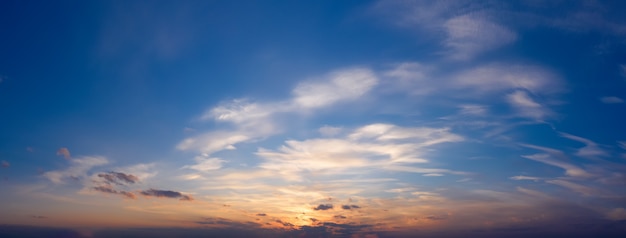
point(495, 78)
point(338, 86)
point(474, 110)
point(521, 177)
point(470, 35)
point(611, 100)
point(371, 146)
point(204, 164)
point(570, 169)
point(329, 131)
point(214, 141)
point(526, 106)
point(411, 76)
point(79, 168)
point(423, 136)
point(420, 170)
point(590, 150)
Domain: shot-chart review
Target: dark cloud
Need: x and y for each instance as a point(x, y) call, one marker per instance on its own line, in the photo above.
point(118, 178)
point(106, 189)
point(39, 217)
point(5, 164)
point(64, 152)
point(284, 223)
point(348, 207)
point(222, 222)
point(323, 207)
point(166, 194)
point(261, 214)
point(340, 217)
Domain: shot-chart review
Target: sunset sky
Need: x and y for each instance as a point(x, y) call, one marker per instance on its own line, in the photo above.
point(313, 118)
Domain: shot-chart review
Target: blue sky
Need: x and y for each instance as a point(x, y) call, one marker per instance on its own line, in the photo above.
point(364, 118)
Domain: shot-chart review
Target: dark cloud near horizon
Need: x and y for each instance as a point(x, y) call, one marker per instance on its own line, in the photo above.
point(323, 207)
point(340, 216)
point(106, 189)
point(261, 214)
point(284, 223)
point(348, 207)
point(39, 217)
point(166, 194)
point(118, 178)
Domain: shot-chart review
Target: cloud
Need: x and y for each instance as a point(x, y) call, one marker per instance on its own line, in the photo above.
point(622, 144)
point(470, 35)
point(329, 131)
point(376, 146)
point(611, 100)
point(338, 86)
point(526, 106)
point(340, 217)
point(323, 207)
point(521, 177)
point(166, 194)
point(118, 178)
point(587, 191)
point(63, 151)
point(261, 214)
point(77, 170)
point(109, 189)
point(206, 164)
point(622, 70)
point(349, 207)
point(5, 164)
point(570, 169)
point(498, 78)
point(590, 150)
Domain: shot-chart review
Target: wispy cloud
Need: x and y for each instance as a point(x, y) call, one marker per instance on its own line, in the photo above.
point(526, 106)
point(470, 35)
point(5, 164)
point(521, 177)
point(64, 152)
point(611, 100)
point(206, 164)
point(78, 169)
point(588, 191)
point(253, 121)
point(339, 86)
point(590, 150)
point(570, 169)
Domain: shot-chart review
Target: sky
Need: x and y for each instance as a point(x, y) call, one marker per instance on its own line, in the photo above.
point(312, 118)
